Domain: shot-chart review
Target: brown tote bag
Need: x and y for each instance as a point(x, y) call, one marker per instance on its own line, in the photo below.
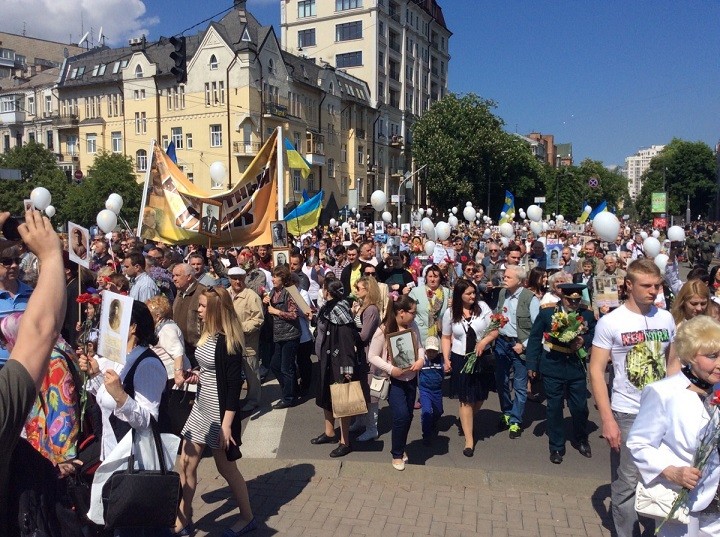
point(347, 399)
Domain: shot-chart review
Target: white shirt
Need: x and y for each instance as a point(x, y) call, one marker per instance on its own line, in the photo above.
point(458, 331)
point(622, 330)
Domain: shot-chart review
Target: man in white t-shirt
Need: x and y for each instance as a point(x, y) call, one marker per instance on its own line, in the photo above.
point(636, 337)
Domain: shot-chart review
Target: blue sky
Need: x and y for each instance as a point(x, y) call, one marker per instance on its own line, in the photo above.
point(610, 77)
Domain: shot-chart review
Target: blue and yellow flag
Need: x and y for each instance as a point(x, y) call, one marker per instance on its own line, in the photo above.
point(600, 208)
point(508, 207)
point(305, 216)
point(295, 159)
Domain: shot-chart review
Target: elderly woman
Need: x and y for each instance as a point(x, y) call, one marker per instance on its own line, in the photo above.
point(673, 417)
point(552, 296)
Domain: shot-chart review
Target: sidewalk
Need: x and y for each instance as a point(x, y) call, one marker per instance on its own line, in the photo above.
point(338, 499)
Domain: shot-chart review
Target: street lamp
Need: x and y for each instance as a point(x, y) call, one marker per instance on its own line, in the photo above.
point(405, 179)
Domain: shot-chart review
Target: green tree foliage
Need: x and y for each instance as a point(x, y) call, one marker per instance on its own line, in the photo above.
point(111, 172)
point(687, 169)
point(471, 158)
point(39, 168)
point(568, 190)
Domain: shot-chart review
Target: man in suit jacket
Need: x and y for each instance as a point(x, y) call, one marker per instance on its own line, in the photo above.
point(586, 278)
point(209, 221)
point(563, 372)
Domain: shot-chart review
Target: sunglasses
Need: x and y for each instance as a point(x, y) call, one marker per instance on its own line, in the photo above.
point(369, 273)
point(9, 261)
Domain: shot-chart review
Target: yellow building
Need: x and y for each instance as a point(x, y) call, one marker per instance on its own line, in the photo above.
point(240, 87)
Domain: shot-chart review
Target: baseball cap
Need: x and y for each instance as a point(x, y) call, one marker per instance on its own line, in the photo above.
point(432, 343)
point(236, 271)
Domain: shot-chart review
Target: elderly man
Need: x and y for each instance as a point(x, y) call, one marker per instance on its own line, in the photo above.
point(185, 307)
point(521, 307)
point(569, 264)
point(612, 271)
point(142, 286)
point(563, 372)
point(249, 310)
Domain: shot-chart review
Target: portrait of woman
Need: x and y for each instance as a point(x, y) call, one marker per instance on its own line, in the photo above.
point(115, 315)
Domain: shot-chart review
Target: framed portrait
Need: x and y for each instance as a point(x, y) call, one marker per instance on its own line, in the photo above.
point(114, 326)
point(403, 348)
point(279, 234)
point(405, 228)
point(361, 227)
point(552, 252)
point(210, 218)
point(379, 227)
point(28, 205)
point(281, 257)
point(552, 237)
point(392, 246)
point(79, 244)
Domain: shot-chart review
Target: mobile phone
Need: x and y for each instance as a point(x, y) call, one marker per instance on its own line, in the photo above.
point(10, 229)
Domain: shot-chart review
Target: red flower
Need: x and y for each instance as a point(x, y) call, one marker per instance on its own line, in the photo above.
point(87, 297)
point(546, 336)
point(716, 398)
point(430, 294)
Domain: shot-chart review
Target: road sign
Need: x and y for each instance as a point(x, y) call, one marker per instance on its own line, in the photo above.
point(78, 174)
point(540, 199)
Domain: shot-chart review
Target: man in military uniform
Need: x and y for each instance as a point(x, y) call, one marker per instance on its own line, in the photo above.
point(563, 371)
point(707, 249)
point(692, 244)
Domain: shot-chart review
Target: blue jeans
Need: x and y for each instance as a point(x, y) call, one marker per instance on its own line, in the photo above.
point(283, 367)
point(401, 399)
point(507, 359)
point(431, 405)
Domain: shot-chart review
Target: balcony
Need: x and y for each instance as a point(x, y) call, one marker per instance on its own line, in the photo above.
point(396, 141)
point(245, 149)
point(12, 118)
point(277, 110)
point(315, 149)
point(66, 120)
point(360, 133)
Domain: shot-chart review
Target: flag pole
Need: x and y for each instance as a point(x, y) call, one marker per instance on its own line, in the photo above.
point(280, 175)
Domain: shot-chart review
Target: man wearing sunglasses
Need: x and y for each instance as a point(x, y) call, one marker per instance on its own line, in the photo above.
point(14, 294)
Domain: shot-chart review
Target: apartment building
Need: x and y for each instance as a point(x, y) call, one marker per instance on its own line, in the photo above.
point(400, 48)
point(635, 166)
point(240, 87)
point(23, 56)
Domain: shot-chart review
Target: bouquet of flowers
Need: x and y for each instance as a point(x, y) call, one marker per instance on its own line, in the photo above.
point(709, 439)
point(564, 328)
point(497, 320)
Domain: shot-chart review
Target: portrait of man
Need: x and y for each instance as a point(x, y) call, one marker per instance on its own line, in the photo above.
point(280, 257)
point(402, 348)
point(279, 234)
point(210, 221)
point(379, 227)
point(79, 244)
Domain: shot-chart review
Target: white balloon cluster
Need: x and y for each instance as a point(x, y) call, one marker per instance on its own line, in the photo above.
point(42, 199)
point(107, 218)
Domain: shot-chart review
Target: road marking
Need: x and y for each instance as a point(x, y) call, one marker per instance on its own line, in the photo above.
point(262, 431)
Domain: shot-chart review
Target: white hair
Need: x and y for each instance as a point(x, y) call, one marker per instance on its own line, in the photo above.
point(520, 271)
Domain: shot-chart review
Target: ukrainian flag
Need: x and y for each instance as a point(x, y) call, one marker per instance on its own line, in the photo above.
point(600, 208)
point(508, 207)
point(305, 216)
point(295, 159)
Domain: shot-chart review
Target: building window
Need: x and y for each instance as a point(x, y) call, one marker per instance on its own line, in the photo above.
point(348, 31)
point(331, 168)
point(343, 152)
point(218, 93)
point(271, 66)
point(92, 143)
point(48, 104)
point(381, 29)
point(207, 93)
point(344, 186)
point(342, 5)
point(177, 137)
point(71, 143)
point(188, 141)
point(31, 106)
point(213, 63)
point(215, 135)
point(138, 72)
point(360, 155)
point(141, 160)
point(297, 186)
point(349, 59)
point(31, 137)
point(306, 38)
point(306, 8)
point(50, 143)
point(165, 142)
point(116, 138)
point(140, 123)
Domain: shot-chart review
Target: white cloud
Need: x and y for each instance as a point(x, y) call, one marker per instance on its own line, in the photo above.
point(58, 20)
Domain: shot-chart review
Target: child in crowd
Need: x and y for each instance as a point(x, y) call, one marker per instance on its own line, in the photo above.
point(431, 378)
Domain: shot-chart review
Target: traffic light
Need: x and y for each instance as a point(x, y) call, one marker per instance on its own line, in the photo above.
point(179, 56)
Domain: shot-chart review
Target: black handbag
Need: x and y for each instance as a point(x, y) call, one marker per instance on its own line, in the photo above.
point(142, 498)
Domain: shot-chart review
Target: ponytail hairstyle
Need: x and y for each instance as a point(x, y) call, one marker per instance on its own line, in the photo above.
point(395, 306)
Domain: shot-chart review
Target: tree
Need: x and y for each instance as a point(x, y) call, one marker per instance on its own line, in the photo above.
point(111, 172)
point(471, 158)
point(687, 169)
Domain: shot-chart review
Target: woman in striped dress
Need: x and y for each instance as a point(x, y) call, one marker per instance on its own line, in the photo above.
point(219, 354)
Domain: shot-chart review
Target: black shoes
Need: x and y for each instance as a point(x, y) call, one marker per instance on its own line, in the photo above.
point(282, 404)
point(324, 439)
point(583, 447)
point(556, 457)
point(469, 452)
point(341, 451)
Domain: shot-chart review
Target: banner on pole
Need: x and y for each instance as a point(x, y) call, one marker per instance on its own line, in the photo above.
point(658, 202)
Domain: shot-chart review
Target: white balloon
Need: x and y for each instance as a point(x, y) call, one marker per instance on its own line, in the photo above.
point(480, 211)
point(453, 221)
point(217, 173)
point(333, 222)
point(386, 216)
point(353, 210)
point(536, 228)
point(117, 198)
point(113, 205)
point(429, 211)
point(442, 230)
point(106, 220)
point(545, 226)
point(468, 204)
point(534, 213)
point(606, 226)
point(429, 247)
point(505, 241)
point(560, 218)
point(655, 233)
point(41, 198)
point(676, 233)
point(486, 233)
point(643, 235)
point(454, 210)
point(661, 260)
point(502, 214)
point(427, 225)
point(522, 214)
point(651, 247)
point(378, 199)
point(421, 211)
point(506, 230)
point(430, 234)
point(469, 214)
point(50, 211)
point(588, 209)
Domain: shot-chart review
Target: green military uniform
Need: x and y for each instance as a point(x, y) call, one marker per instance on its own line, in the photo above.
point(692, 244)
point(563, 372)
point(707, 249)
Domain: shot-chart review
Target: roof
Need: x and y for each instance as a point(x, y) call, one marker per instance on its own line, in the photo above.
point(434, 10)
point(48, 77)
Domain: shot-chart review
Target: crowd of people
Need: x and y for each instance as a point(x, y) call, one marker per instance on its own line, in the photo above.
point(482, 313)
